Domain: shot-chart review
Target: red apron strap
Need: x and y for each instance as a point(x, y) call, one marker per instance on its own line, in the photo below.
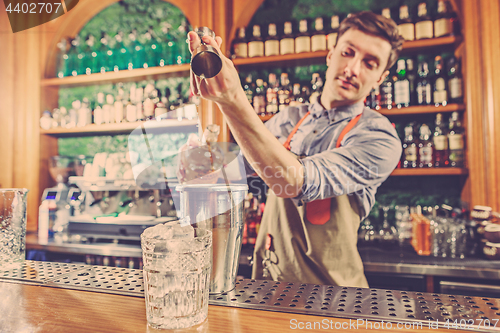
point(346, 129)
point(318, 211)
point(292, 133)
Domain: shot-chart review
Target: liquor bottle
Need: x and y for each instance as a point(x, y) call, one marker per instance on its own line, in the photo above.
point(410, 148)
point(424, 86)
point(386, 12)
point(183, 54)
point(256, 44)
point(318, 39)
point(177, 106)
point(331, 38)
point(136, 50)
point(440, 139)
point(131, 105)
point(84, 114)
point(296, 95)
point(161, 111)
point(249, 88)
point(90, 55)
point(444, 21)
point(374, 99)
point(401, 86)
point(455, 80)
point(73, 53)
point(411, 75)
point(119, 107)
point(152, 49)
point(139, 103)
point(272, 95)
point(259, 98)
point(303, 38)
point(240, 46)
point(387, 93)
point(83, 57)
point(149, 106)
point(120, 53)
point(104, 55)
point(316, 87)
point(98, 110)
point(405, 24)
point(425, 147)
point(272, 43)
point(287, 42)
point(456, 141)
point(424, 25)
point(108, 110)
point(284, 92)
point(169, 46)
point(440, 95)
point(62, 59)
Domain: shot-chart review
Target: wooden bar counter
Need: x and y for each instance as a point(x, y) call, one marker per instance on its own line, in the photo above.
point(49, 298)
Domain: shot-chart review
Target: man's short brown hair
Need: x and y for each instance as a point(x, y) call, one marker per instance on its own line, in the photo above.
point(377, 25)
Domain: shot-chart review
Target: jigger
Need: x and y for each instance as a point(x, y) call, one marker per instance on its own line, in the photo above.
point(205, 60)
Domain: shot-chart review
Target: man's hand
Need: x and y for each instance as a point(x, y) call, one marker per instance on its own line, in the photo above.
point(222, 88)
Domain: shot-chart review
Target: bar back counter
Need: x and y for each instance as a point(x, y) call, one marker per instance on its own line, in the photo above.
point(61, 297)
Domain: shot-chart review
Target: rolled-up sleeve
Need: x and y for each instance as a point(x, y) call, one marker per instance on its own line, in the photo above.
point(367, 157)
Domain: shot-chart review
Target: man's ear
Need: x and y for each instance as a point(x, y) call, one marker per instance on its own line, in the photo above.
point(382, 78)
point(329, 56)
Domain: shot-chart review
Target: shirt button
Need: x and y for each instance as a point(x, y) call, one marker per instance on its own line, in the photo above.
point(314, 132)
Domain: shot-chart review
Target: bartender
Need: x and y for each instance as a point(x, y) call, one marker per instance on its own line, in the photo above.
point(323, 162)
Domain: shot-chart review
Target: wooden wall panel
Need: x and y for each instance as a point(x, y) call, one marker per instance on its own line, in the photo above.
point(7, 75)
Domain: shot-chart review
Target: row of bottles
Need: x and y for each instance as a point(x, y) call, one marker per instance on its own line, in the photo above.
point(321, 34)
point(442, 146)
point(413, 83)
point(254, 208)
point(137, 104)
point(131, 50)
point(423, 25)
point(271, 96)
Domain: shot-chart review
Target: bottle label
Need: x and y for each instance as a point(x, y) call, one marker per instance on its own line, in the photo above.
point(318, 43)
point(241, 50)
point(440, 97)
point(423, 30)
point(331, 39)
point(272, 47)
point(402, 92)
point(131, 113)
point(407, 30)
point(456, 141)
point(425, 155)
point(148, 108)
point(443, 27)
point(440, 142)
point(259, 104)
point(255, 49)
point(386, 95)
point(411, 153)
point(424, 93)
point(302, 44)
point(286, 46)
point(455, 85)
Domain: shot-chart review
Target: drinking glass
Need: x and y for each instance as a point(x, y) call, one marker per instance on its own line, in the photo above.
point(12, 227)
point(177, 263)
point(387, 234)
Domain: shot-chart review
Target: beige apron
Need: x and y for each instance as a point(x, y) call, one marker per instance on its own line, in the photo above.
point(296, 250)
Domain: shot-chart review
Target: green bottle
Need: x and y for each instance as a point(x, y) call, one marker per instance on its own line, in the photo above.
point(104, 55)
point(73, 53)
point(89, 55)
point(169, 45)
point(120, 53)
point(62, 59)
point(136, 51)
point(152, 49)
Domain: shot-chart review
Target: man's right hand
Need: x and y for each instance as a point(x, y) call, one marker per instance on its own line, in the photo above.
point(224, 88)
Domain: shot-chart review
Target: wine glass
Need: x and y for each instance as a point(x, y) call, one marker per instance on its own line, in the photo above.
point(387, 234)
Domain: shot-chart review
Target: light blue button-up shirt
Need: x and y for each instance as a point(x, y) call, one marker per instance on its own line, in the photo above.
point(369, 152)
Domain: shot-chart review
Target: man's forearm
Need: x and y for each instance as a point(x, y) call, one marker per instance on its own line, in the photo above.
point(279, 168)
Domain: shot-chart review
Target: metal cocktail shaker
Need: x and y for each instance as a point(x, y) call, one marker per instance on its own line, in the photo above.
point(205, 60)
point(219, 208)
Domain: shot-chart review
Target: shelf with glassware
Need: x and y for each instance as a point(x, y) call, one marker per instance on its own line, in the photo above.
point(121, 128)
point(117, 76)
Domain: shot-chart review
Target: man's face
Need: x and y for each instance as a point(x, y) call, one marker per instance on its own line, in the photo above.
point(355, 66)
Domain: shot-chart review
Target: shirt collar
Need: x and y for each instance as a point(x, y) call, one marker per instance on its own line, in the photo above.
point(336, 114)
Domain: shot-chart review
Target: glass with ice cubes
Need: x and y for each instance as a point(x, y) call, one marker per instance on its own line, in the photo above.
point(177, 263)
